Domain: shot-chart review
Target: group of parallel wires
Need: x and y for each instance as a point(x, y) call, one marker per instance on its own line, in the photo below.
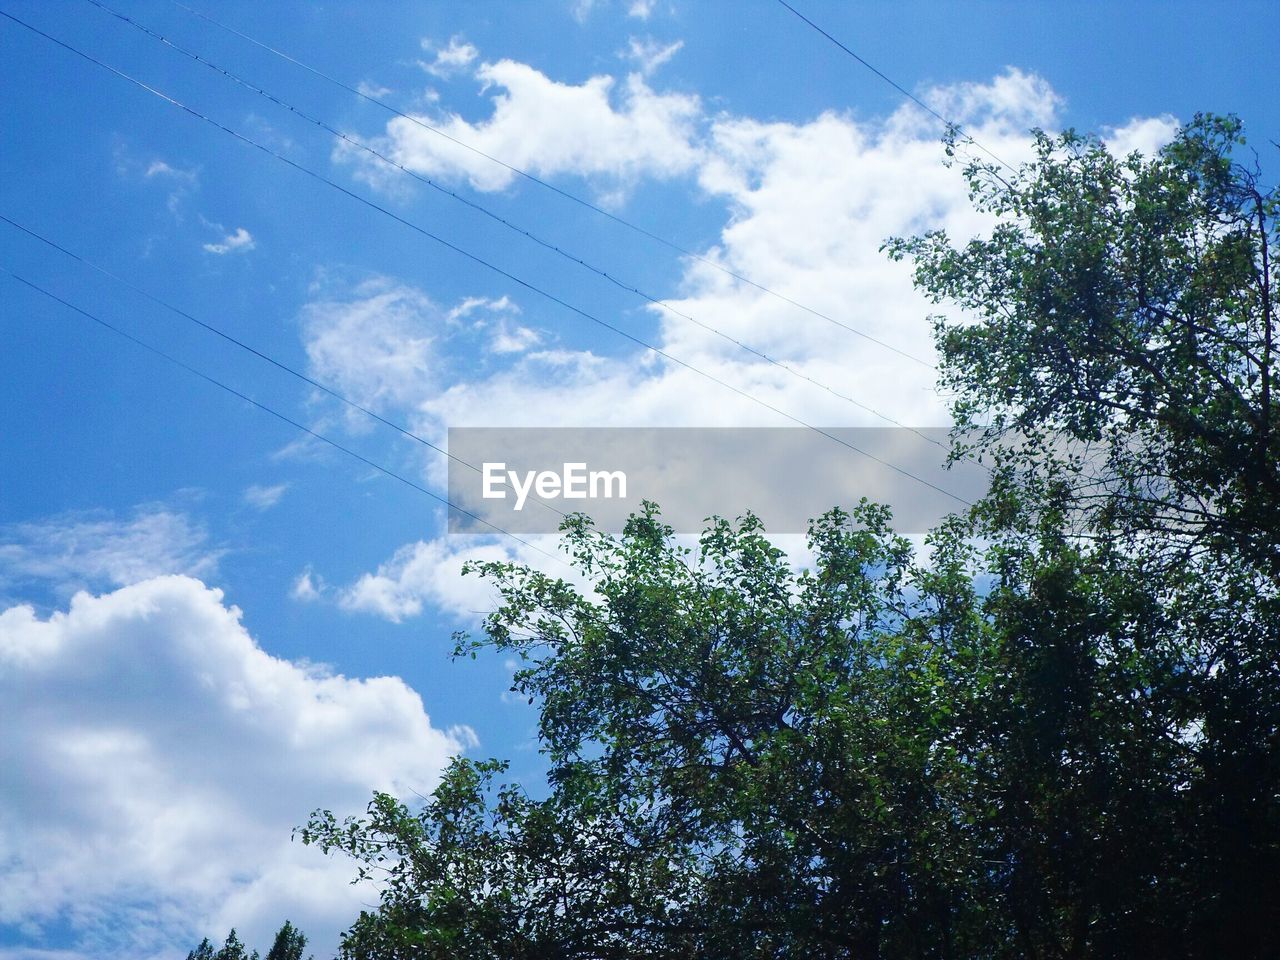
point(379, 157)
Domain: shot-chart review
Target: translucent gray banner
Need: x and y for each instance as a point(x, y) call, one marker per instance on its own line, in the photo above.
point(524, 479)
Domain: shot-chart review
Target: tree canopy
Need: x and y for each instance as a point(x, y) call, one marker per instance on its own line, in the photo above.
point(1051, 733)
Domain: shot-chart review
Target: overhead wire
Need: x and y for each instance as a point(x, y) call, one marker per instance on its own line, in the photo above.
point(275, 413)
point(565, 194)
point(485, 211)
point(279, 364)
point(949, 124)
point(480, 260)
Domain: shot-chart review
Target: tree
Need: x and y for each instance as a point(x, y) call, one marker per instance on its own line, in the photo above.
point(289, 943)
point(1127, 308)
point(1056, 737)
point(1125, 330)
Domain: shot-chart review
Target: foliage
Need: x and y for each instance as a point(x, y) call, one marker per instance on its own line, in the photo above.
point(1052, 735)
point(289, 944)
point(1124, 310)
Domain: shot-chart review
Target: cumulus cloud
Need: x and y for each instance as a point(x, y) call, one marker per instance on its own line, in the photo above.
point(1007, 105)
point(598, 128)
point(1146, 135)
point(96, 549)
point(810, 204)
point(430, 571)
point(239, 240)
point(154, 759)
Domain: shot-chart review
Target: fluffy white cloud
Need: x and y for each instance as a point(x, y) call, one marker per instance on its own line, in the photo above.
point(1143, 134)
point(154, 760)
point(239, 240)
point(426, 571)
point(810, 204)
point(597, 128)
point(1006, 106)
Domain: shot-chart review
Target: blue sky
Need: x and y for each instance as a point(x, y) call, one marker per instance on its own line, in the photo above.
point(158, 749)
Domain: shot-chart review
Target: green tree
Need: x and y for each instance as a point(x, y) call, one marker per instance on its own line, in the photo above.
point(289, 943)
point(1056, 738)
point(1125, 325)
point(233, 949)
point(1124, 330)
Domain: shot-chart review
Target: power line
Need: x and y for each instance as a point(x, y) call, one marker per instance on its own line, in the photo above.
point(621, 221)
point(233, 340)
point(481, 261)
point(949, 124)
point(280, 365)
point(485, 211)
point(275, 413)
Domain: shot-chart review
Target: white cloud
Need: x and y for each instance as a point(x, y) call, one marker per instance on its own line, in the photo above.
point(641, 9)
point(374, 90)
point(649, 54)
point(154, 760)
point(1143, 134)
point(95, 549)
point(595, 129)
point(810, 204)
point(450, 59)
point(264, 498)
point(182, 181)
point(513, 338)
point(1012, 102)
point(159, 168)
point(425, 572)
point(238, 241)
point(307, 588)
point(375, 345)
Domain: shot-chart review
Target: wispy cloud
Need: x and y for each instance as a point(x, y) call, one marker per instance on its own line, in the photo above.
point(95, 549)
point(263, 498)
point(457, 55)
point(649, 54)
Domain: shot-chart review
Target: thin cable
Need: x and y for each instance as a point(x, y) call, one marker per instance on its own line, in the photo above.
point(275, 413)
point(485, 211)
point(404, 431)
point(481, 261)
point(621, 221)
point(902, 90)
point(233, 340)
